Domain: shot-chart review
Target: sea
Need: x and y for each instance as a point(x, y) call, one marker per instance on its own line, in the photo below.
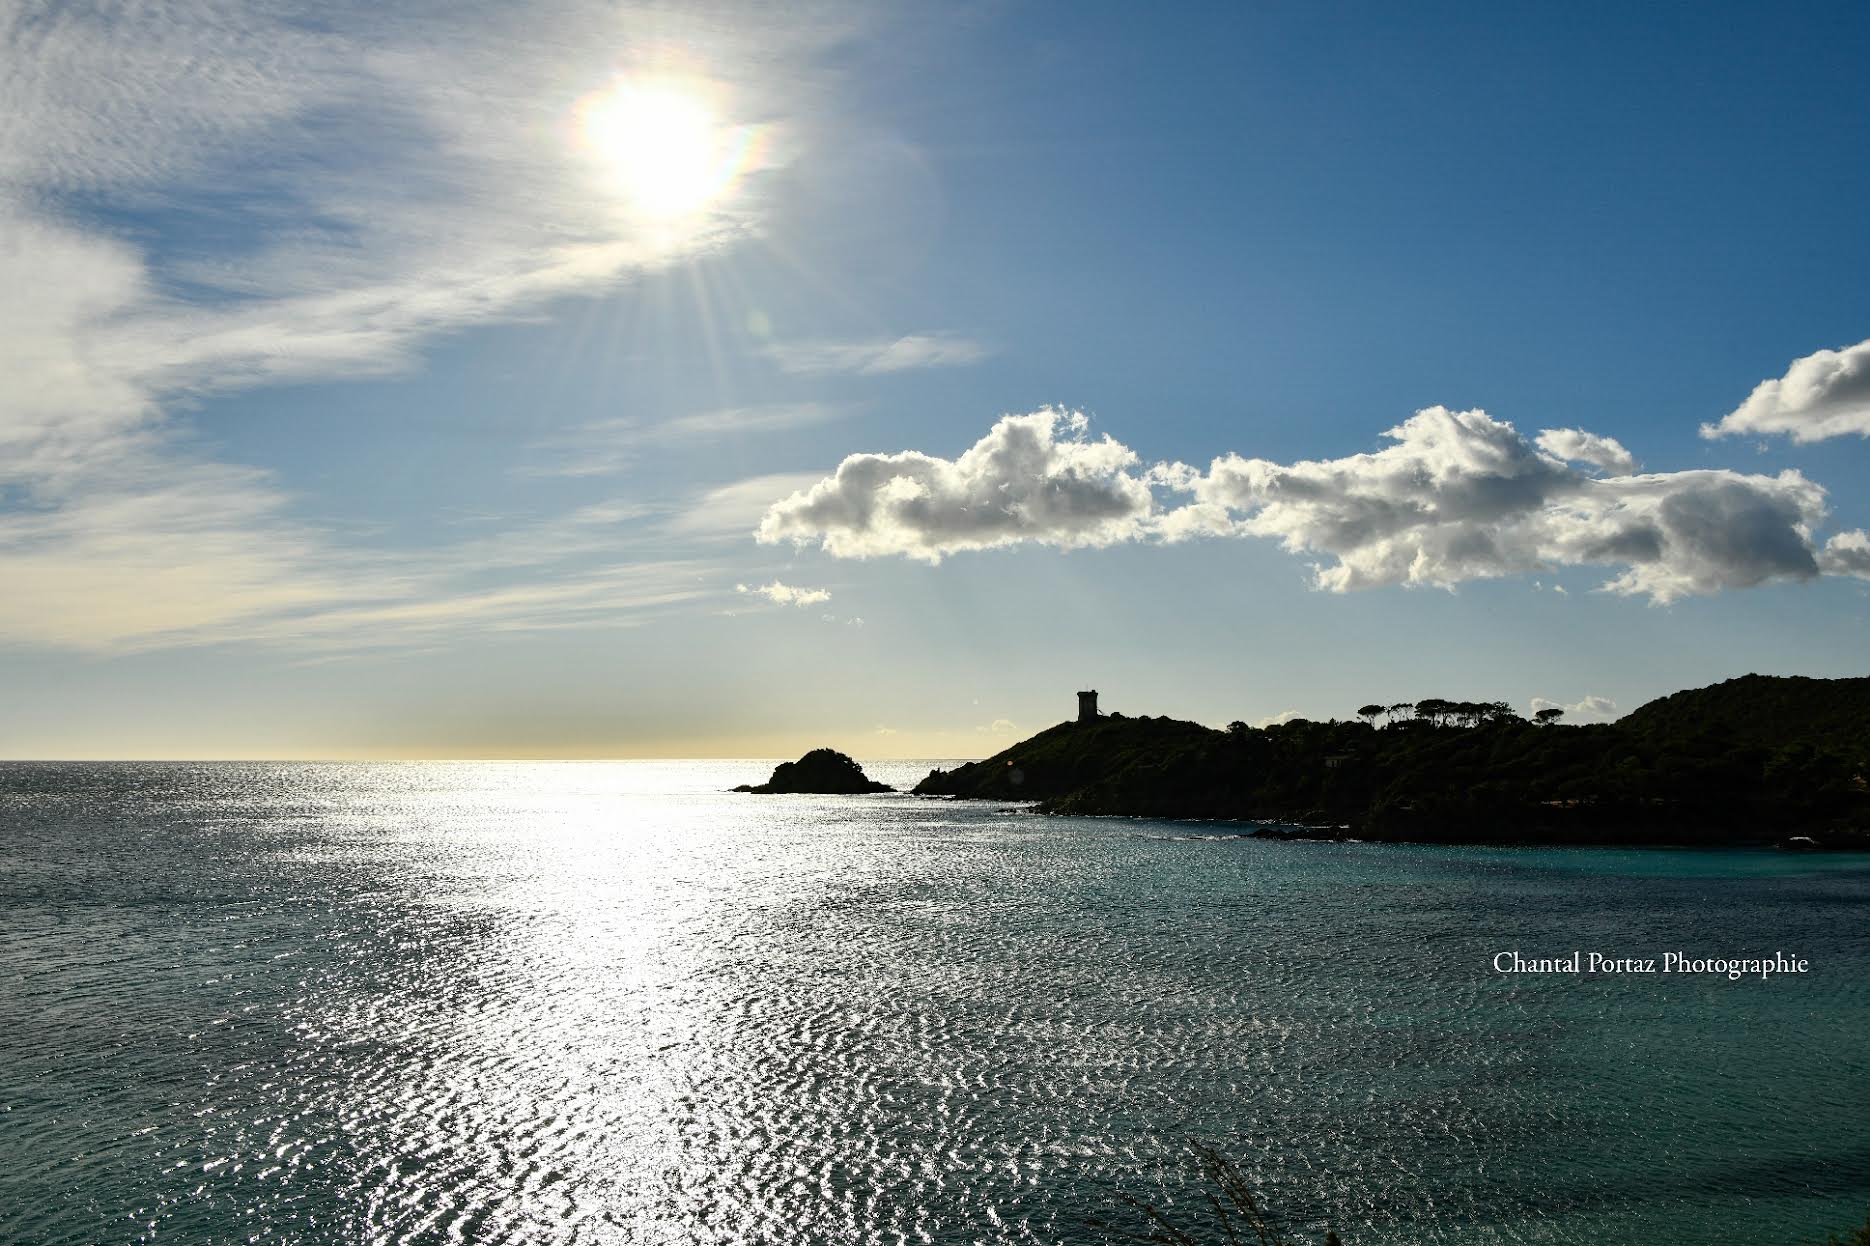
point(616, 1003)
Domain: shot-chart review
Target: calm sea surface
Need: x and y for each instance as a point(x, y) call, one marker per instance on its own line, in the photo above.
point(611, 1003)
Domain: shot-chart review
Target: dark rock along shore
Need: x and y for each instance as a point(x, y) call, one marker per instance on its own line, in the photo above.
point(822, 771)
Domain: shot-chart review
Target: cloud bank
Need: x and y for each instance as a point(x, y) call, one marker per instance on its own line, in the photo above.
point(1456, 496)
point(1462, 496)
point(1825, 394)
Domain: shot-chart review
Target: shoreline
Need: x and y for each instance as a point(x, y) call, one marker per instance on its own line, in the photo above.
point(1291, 830)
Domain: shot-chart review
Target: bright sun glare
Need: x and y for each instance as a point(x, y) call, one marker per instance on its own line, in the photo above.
point(663, 145)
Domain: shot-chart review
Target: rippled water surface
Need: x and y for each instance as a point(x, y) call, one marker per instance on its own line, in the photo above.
point(611, 1003)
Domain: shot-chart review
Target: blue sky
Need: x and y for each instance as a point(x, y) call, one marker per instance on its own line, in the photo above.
point(598, 380)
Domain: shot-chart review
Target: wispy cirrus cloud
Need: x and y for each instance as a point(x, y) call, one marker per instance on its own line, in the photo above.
point(606, 447)
point(732, 422)
point(1825, 394)
point(209, 556)
point(335, 195)
point(1455, 496)
point(871, 356)
point(308, 200)
point(785, 594)
point(731, 512)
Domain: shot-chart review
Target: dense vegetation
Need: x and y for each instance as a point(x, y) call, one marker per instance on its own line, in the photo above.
point(1777, 711)
point(1751, 760)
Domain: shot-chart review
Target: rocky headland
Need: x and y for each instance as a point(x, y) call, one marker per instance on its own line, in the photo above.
point(1760, 759)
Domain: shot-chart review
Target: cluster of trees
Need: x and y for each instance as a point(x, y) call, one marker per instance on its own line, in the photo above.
point(1436, 712)
point(1439, 713)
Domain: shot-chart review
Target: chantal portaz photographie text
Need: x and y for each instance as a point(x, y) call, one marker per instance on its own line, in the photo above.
point(1580, 962)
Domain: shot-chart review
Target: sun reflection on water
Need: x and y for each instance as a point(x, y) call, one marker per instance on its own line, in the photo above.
point(616, 1004)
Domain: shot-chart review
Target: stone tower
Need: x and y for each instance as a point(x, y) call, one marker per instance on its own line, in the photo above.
point(1087, 706)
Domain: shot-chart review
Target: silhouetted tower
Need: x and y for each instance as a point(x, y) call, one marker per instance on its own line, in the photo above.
point(1087, 706)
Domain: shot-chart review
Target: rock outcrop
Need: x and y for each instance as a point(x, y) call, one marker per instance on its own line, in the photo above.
point(824, 771)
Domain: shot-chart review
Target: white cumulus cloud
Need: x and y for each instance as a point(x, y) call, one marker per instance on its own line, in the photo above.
point(1847, 553)
point(1037, 477)
point(1456, 496)
point(1825, 394)
point(1462, 496)
point(1574, 445)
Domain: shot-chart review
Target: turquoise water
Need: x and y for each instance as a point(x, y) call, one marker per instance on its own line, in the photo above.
point(611, 1003)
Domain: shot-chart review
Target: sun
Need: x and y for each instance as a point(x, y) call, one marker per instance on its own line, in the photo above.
point(662, 146)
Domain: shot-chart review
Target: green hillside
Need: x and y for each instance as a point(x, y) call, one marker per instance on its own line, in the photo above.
point(1774, 710)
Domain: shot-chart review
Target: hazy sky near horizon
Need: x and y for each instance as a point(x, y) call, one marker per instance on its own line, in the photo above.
point(578, 379)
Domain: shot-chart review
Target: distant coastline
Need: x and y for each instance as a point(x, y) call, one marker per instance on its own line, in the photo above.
point(1756, 760)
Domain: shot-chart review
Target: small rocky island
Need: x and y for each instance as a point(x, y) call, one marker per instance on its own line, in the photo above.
point(822, 771)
